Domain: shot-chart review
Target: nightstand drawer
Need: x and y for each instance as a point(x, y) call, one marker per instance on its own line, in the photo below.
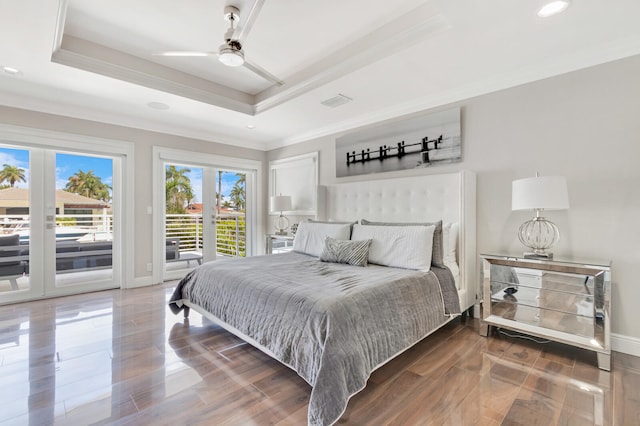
point(569, 283)
point(576, 304)
point(545, 318)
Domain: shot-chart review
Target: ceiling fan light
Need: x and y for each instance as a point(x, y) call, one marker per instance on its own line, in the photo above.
point(231, 57)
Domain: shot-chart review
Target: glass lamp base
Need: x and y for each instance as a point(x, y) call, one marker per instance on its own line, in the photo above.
point(281, 225)
point(539, 235)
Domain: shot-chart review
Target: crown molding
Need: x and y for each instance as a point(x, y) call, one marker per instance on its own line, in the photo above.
point(83, 113)
point(607, 52)
point(101, 60)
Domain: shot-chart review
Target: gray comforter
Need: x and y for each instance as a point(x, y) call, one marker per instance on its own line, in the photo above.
point(332, 323)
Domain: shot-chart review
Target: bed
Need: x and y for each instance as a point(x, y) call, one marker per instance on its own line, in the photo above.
point(335, 323)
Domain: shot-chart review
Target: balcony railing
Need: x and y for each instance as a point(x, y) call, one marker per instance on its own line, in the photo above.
point(87, 227)
point(230, 233)
point(230, 230)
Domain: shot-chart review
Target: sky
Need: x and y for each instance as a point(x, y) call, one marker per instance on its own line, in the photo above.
point(228, 181)
point(67, 165)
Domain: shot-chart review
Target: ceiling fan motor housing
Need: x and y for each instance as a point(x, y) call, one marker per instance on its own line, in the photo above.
point(231, 53)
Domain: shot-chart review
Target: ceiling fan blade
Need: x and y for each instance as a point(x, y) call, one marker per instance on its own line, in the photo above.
point(178, 53)
point(263, 73)
point(242, 31)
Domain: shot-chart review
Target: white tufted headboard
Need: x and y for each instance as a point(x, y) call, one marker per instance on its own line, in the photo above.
point(450, 197)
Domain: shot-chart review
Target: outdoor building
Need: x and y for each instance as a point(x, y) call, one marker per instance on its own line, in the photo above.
point(15, 201)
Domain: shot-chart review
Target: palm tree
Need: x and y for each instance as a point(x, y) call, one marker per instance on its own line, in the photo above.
point(89, 185)
point(241, 179)
point(237, 194)
point(12, 174)
point(179, 191)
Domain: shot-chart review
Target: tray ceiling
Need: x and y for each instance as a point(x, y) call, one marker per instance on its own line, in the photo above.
point(94, 59)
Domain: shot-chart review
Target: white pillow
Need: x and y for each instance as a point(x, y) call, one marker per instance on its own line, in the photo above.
point(450, 243)
point(310, 236)
point(407, 247)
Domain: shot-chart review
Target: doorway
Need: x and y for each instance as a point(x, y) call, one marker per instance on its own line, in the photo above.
point(60, 219)
point(209, 210)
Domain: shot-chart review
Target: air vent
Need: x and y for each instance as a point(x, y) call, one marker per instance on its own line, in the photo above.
point(336, 101)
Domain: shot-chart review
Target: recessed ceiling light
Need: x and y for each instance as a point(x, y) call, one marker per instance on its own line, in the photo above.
point(11, 70)
point(251, 126)
point(158, 105)
point(553, 8)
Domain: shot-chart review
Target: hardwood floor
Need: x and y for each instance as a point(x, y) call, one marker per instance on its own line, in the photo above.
point(121, 357)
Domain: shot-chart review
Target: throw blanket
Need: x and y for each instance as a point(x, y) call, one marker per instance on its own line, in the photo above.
point(331, 323)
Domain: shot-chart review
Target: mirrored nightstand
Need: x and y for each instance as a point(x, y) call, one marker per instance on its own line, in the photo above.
point(278, 243)
point(568, 302)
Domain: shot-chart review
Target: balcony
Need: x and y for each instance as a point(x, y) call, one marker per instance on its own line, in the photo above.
point(230, 233)
point(83, 243)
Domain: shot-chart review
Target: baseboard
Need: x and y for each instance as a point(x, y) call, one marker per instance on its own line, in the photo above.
point(625, 344)
point(140, 282)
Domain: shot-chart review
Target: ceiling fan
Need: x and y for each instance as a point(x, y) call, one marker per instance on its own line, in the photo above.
point(230, 52)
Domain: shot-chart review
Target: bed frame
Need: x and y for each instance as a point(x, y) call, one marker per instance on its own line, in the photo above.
point(450, 197)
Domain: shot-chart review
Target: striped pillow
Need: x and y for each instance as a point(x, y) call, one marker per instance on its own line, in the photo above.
point(345, 251)
point(437, 248)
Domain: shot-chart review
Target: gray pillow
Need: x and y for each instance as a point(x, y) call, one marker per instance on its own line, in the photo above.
point(345, 251)
point(437, 250)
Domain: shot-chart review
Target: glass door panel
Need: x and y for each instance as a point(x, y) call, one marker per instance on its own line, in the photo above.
point(14, 220)
point(84, 219)
point(231, 235)
point(184, 243)
point(204, 216)
point(56, 223)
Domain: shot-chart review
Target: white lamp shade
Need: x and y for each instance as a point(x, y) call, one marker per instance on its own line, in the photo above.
point(281, 203)
point(544, 192)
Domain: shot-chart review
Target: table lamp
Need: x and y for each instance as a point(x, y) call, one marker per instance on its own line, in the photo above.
point(539, 193)
point(281, 203)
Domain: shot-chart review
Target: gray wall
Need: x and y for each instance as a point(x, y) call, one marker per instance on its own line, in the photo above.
point(143, 142)
point(584, 125)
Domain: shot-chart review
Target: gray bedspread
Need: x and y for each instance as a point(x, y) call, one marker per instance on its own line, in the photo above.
point(332, 323)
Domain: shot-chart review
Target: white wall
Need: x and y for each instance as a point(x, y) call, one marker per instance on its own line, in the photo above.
point(584, 125)
point(143, 142)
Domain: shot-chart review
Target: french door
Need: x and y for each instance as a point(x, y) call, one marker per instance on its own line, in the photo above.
point(209, 210)
point(59, 220)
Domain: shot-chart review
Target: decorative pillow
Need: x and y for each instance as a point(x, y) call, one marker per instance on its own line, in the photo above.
point(310, 236)
point(407, 247)
point(450, 243)
point(345, 251)
point(334, 222)
point(437, 251)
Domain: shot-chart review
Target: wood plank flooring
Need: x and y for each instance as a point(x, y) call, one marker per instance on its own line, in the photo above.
point(121, 357)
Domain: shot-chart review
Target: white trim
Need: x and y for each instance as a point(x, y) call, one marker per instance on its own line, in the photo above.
point(254, 197)
point(298, 161)
point(55, 140)
point(60, 22)
point(141, 282)
point(85, 55)
point(607, 52)
point(625, 344)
